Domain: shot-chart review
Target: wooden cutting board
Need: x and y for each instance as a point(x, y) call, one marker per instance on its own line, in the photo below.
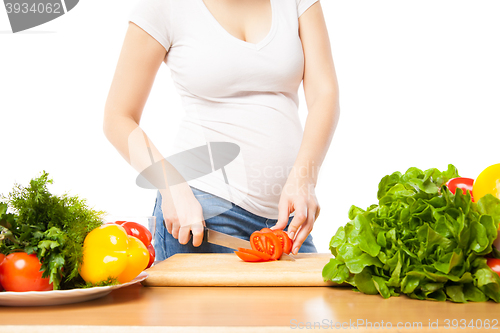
point(226, 269)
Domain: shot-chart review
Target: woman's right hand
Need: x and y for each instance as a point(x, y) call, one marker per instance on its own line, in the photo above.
point(182, 213)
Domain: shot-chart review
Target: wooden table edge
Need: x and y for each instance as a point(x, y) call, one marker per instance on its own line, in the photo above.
point(185, 329)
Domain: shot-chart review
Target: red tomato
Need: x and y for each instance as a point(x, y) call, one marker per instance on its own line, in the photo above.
point(152, 255)
point(266, 242)
point(138, 230)
point(2, 256)
point(463, 183)
point(494, 264)
point(286, 242)
point(265, 230)
point(21, 272)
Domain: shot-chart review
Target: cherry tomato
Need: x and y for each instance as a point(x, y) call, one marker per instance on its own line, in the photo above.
point(266, 242)
point(21, 272)
point(138, 230)
point(286, 242)
point(152, 255)
point(462, 183)
point(494, 264)
point(488, 181)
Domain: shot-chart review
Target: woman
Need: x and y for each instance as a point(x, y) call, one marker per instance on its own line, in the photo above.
point(237, 65)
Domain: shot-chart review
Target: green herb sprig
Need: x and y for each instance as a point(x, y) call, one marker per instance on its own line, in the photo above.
point(53, 227)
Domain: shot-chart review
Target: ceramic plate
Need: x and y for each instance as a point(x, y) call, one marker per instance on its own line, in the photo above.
point(57, 297)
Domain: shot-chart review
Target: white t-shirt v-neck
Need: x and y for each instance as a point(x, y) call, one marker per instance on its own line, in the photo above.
point(234, 91)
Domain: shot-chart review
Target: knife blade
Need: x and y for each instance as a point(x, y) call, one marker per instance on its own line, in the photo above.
point(222, 239)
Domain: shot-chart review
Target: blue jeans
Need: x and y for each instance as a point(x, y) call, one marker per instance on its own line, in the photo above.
point(223, 216)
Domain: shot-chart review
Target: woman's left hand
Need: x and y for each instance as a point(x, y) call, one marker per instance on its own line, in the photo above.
point(298, 196)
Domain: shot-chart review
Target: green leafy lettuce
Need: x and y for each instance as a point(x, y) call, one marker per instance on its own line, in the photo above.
point(420, 240)
point(53, 227)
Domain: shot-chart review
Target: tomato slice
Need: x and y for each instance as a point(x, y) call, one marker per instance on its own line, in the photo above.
point(265, 230)
point(494, 264)
point(266, 242)
point(286, 242)
point(262, 255)
point(248, 257)
point(462, 183)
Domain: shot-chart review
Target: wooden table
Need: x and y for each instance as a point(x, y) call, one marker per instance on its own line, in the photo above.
point(246, 309)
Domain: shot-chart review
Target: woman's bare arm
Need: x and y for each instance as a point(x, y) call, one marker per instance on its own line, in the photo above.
point(322, 98)
point(139, 61)
point(138, 64)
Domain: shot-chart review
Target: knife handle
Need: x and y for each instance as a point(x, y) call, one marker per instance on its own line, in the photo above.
point(205, 234)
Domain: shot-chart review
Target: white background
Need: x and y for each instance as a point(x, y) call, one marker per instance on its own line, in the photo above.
point(419, 86)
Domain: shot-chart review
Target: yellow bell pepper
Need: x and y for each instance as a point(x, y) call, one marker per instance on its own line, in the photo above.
point(488, 181)
point(109, 252)
point(137, 260)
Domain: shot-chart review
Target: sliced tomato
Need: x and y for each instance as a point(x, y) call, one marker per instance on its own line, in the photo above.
point(266, 242)
point(265, 230)
point(262, 255)
point(494, 264)
point(286, 242)
point(248, 257)
point(462, 183)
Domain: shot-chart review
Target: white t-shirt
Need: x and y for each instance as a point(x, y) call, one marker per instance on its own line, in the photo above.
point(234, 91)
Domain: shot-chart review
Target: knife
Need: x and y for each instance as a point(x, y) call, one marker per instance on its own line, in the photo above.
point(222, 239)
